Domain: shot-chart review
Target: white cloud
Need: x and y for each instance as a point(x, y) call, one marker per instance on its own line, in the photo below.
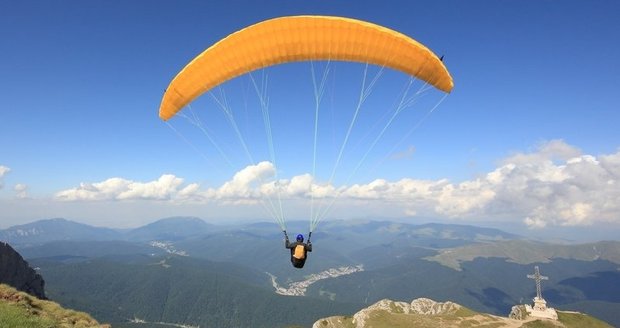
point(555, 184)
point(166, 187)
point(244, 182)
point(21, 191)
point(546, 151)
point(300, 185)
point(3, 171)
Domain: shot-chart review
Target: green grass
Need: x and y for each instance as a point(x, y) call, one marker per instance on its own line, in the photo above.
point(470, 323)
point(386, 319)
point(576, 320)
point(465, 312)
point(394, 317)
point(18, 309)
point(539, 324)
point(15, 316)
point(570, 320)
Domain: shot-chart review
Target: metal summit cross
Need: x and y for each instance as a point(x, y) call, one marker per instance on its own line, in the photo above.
point(540, 309)
point(536, 276)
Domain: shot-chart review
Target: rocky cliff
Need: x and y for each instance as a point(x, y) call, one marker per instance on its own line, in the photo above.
point(421, 306)
point(15, 271)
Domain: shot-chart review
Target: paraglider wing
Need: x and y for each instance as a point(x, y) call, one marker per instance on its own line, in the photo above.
point(301, 38)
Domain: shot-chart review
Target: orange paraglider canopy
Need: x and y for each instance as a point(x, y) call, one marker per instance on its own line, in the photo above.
point(301, 38)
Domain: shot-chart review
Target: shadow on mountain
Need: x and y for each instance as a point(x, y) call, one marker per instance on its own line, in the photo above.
point(559, 295)
point(600, 286)
point(493, 298)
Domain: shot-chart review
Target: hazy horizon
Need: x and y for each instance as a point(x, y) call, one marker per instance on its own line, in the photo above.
point(528, 138)
point(298, 225)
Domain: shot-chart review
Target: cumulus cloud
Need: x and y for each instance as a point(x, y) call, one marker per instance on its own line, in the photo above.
point(3, 171)
point(166, 187)
point(553, 150)
point(244, 183)
point(21, 191)
point(554, 184)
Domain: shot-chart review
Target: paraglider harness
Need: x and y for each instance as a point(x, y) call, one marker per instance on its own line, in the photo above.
point(299, 251)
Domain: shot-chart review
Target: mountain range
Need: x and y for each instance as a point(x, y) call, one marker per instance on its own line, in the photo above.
point(185, 271)
point(59, 229)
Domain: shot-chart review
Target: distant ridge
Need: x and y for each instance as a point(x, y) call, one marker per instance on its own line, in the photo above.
point(60, 229)
point(55, 229)
point(426, 230)
point(528, 252)
point(177, 228)
point(173, 228)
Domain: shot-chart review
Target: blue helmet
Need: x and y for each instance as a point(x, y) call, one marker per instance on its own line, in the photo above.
point(300, 237)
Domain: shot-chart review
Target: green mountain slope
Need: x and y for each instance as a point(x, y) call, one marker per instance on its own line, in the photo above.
point(422, 313)
point(528, 252)
point(600, 309)
point(484, 270)
point(86, 249)
point(179, 290)
point(490, 285)
point(21, 310)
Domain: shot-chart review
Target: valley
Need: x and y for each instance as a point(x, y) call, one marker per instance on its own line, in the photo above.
point(299, 288)
point(181, 271)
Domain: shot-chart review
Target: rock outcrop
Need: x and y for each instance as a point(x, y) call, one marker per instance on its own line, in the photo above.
point(15, 272)
point(518, 312)
point(426, 313)
point(429, 307)
point(423, 306)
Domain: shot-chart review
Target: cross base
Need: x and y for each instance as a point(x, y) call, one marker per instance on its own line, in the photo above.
point(540, 309)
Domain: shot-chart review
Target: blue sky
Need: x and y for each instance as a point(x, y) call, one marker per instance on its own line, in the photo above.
point(535, 87)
